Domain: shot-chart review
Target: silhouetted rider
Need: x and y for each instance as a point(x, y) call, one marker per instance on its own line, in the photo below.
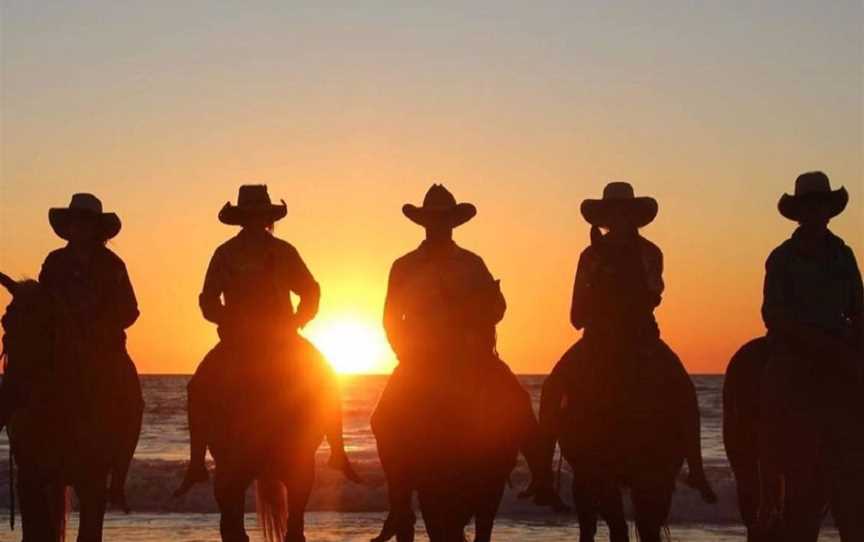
point(440, 314)
point(618, 284)
point(247, 293)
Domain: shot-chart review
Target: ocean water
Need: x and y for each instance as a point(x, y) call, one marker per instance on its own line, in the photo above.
point(341, 510)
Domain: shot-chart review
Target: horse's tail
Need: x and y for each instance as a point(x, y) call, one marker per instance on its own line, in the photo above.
point(271, 503)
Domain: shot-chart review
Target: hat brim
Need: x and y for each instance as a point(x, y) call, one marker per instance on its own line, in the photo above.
point(108, 224)
point(599, 212)
point(234, 215)
point(793, 207)
point(451, 216)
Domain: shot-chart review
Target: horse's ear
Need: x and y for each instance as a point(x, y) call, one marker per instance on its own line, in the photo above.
point(8, 283)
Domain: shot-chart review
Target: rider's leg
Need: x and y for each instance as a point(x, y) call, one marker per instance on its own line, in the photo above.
point(334, 433)
point(198, 390)
point(130, 433)
point(690, 417)
point(386, 424)
point(196, 471)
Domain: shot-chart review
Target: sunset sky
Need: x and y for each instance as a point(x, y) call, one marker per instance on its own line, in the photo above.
point(349, 110)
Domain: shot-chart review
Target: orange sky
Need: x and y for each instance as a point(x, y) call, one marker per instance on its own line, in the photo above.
point(348, 115)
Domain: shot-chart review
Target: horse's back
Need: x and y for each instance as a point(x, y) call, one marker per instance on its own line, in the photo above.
point(462, 425)
point(617, 416)
point(272, 413)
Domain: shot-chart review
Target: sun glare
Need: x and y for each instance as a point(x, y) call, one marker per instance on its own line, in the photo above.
point(351, 345)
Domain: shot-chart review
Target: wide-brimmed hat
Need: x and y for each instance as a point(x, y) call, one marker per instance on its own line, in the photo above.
point(618, 198)
point(84, 205)
point(813, 188)
point(253, 201)
point(439, 209)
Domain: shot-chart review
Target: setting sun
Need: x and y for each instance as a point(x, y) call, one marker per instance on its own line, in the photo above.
point(351, 344)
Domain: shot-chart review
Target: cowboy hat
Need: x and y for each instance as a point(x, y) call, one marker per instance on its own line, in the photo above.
point(618, 198)
point(253, 201)
point(439, 209)
point(813, 188)
point(84, 205)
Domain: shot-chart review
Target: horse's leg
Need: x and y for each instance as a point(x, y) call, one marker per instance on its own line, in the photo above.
point(584, 501)
point(652, 499)
point(432, 516)
point(92, 500)
point(611, 507)
point(299, 488)
point(847, 506)
point(231, 497)
point(806, 501)
point(487, 509)
point(41, 499)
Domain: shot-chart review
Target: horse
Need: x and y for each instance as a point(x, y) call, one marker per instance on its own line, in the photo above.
point(622, 429)
point(459, 447)
point(54, 439)
point(267, 426)
point(786, 498)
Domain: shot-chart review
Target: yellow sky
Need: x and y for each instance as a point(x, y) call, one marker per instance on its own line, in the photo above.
point(348, 115)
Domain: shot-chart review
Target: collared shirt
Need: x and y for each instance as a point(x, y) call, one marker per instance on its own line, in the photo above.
point(824, 292)
point(441, 302)
point(256, 273)
point(618, 283)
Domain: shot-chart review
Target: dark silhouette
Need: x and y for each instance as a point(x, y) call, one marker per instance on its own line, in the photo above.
point(453, 418)
point(264, 397)
point(794, 400)
point(619, 402)
point(70, 395)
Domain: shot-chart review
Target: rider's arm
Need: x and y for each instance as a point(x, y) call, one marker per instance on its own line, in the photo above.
point(123, 306)
point(210, 299)
point(489, 309)
point(653, 261)
point(774, 302)
point(306, 288)
point(856, 300)
point(580, 305)
point(394, 314)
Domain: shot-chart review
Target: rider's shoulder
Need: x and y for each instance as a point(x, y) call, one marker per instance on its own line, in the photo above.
point(649, 246)
point(650, 251)
point(56, 254)
point(407, 260)
point(468, 255)
point(780, 254)
point(843, 251)
point(110, 258)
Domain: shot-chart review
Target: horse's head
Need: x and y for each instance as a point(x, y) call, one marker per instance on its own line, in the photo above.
point(28, 323)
